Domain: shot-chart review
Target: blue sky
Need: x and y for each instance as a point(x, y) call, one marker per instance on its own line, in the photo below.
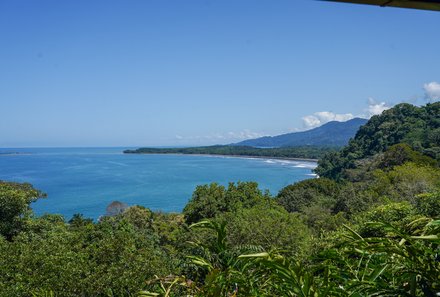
point(151, 73)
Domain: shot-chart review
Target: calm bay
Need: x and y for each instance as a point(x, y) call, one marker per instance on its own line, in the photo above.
point(86, 180)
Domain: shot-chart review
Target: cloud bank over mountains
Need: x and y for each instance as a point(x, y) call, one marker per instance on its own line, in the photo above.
point(221, 137)
point(320, 118)
point(431, 90)
point(432, 94)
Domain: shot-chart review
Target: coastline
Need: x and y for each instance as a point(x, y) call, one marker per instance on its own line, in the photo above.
point(233, 156)
point(13, 153)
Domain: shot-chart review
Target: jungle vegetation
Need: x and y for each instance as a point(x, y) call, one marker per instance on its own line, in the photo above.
point(369, 226)
point(418, 127)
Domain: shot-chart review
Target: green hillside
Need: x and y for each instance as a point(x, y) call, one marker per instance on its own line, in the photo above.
point(419, 127)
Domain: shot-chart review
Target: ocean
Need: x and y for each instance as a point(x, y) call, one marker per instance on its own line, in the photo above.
point(86, 180)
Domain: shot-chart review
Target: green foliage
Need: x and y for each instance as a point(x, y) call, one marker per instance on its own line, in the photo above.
point(280, 276)
point(316, 200)
point(404, 182)
point(15, 200)
point(247, 271)
point(208, 201)
point(169, 286)
point(401, 183)
point(269, 227)
point(138, 216)
point(417, 127)
point(225, 274)
point(321, 219)
point(396, 214)
point(250, 271)
point(356, 197)
point(82, 259)
point(78, 220)
point(398, 263)
point(396, 155)
point(297, 196)
point(428, 204)
point(401, 153)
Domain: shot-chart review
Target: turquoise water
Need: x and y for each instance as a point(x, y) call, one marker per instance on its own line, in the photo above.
point(86, 180)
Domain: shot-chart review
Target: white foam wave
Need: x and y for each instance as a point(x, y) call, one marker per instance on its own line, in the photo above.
point(306, 165)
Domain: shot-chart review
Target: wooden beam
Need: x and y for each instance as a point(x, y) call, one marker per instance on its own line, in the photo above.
point(415, 4)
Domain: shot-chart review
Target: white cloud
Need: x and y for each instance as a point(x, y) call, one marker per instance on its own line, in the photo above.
point(432, 91)
point(245, 134)
point(375, 108)
point(321, 117)
point(330, 116)
point(311, 121)
point(221, 137)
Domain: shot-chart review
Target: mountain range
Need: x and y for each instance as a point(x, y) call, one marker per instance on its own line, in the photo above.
point(330, 134)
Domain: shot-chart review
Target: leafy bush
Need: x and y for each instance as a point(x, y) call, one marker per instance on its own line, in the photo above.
point(296, 197)
point(208, 201)
point(15, 200)
point(269, 227)
point(428, 204)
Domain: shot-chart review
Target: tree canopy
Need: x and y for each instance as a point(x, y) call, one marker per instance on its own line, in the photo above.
point(418, 127)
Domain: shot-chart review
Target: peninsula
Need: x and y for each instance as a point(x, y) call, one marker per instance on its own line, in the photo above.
point(310, 153)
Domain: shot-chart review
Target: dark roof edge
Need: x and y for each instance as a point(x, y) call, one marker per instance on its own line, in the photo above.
point(424, 4)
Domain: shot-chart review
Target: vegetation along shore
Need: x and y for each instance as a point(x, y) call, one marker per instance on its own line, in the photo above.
point(234, 156)
point(307, 153)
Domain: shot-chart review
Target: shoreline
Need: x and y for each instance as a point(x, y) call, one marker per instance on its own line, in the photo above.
point(232, 156)
point(13, 153)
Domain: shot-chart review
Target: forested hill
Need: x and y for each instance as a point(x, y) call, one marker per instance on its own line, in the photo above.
point(417, 127)
point(330, 134)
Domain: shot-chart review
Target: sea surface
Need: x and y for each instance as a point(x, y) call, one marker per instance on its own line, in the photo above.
point(86, 180)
